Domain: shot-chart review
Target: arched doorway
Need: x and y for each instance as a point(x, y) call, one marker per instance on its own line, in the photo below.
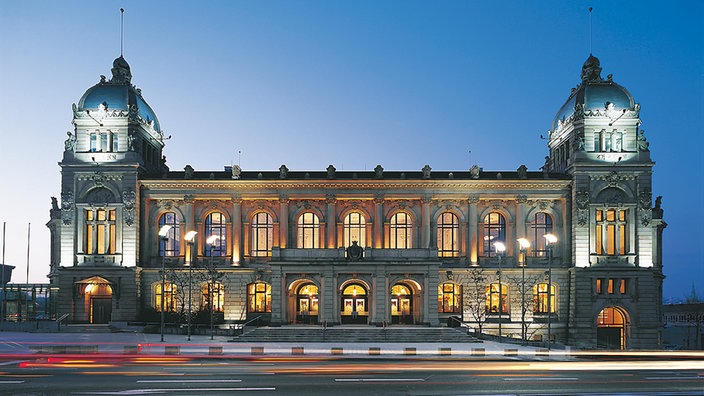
point(401, 304)
point(354, 304)
point(611, 326)
point(307, 304)
point(95, 306)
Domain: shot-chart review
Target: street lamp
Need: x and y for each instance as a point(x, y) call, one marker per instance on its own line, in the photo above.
point(500, 249)
point(550, 240)
point(523, 244)
point(190, 240)
point(164, 236)
point(212, 241)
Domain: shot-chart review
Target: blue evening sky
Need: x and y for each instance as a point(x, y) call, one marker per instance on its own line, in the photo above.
point(353, 84)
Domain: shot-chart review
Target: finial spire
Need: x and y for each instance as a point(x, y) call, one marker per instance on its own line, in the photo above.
point(590, 30)
point(122, 25)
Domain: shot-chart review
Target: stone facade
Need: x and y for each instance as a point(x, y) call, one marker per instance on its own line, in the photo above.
point(368, 247)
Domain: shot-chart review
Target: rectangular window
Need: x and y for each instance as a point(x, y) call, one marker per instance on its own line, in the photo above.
point(101, 231)
point(598, 286)
point(94, 142)
point(610, 286)
point(622, 286)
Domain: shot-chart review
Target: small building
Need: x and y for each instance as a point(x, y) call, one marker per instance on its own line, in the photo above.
point(684, 326)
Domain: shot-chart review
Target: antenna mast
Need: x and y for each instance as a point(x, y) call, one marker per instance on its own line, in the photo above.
point(122, 25)
point(590, 30)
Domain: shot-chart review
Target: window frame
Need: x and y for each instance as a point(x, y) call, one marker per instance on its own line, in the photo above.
point(494, 231)
point(262, 227)
point(400, 231)
point(308, 231)
point(443, 229)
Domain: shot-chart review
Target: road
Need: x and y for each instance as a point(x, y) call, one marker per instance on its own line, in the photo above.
point(103, 374)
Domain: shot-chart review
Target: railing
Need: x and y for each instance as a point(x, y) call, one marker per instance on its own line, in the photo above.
point(61, 319)
point(249, 323)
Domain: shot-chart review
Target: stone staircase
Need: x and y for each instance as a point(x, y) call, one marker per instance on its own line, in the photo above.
point(356, 334)
point(87, 328)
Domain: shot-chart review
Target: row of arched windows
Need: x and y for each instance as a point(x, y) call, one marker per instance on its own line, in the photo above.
point(308, 235)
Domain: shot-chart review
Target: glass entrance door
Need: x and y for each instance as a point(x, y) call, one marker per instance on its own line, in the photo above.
point(354, 305)
point(401, 304)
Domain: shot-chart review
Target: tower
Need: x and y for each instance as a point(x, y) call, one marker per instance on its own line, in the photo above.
point(616, 231)
point(116, 140)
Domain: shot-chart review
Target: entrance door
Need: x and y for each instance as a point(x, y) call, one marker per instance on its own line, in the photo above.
point(307, 304)
point(401, 304)
point(354, 305)
point(100, 310)
point(611, 328)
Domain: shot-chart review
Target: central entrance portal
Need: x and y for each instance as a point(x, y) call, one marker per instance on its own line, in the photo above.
point(307, 304)
point(354, 304)
point(401, 304)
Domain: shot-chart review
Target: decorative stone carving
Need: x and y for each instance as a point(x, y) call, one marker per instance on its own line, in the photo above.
point(522, 172)
point(474, 172)
point(129, 200)
point(98, 179)
point(657, 210)
point(70, 143)
point(426, 172)
point(521, 198)
point(331, 171)
point(354, 252)
point(188, 172)
point(582, 199)
point(67, 206)
point(473, 199)
point(330, 199)
point(236, 172)
point(645, 199)
point(379, 172)
point(189, 198)
point(497, 204)
point(100, 196)
point(642, 142)
point(283, 172)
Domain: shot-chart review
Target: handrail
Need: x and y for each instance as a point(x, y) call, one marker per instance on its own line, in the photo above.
point(244, 325)
point(61, 319)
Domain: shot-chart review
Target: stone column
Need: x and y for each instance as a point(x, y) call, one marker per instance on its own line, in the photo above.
point(236, 231)
point(472, 233)
point(331, 221)
point(521, 201)
point(283, 222)
point(425, 223)
point(379, 222)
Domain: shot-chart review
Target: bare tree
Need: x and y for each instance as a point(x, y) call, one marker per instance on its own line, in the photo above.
point(475, 296)
point(523, 298)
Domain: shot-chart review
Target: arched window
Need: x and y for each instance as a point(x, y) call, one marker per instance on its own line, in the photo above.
point(494, 299)
point(169, 295)
point(611, 232)
point(100, 231)
point(258, 297)
point(354, 229)
point(262, 235)
point(540, 299)
point(449, 298)
point(448, 235)
point(218, 292)
point(171, 246)
point(400, 230)
point(216, 224)
point(308, 231)
point(494, 231)
point(542, 225)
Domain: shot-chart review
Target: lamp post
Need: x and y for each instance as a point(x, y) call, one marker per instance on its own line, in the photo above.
point(523, 244)
point(500, 249)
point(550, 240)
point(190, 240)
point(164, 236)
point(212, 241)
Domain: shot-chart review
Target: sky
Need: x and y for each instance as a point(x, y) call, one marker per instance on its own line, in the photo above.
point(354, 84)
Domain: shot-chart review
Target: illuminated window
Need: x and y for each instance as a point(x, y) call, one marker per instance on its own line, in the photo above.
point(94, 142)
point(105, 141)
point(400, 228)
point(354, 229)
point(599, 286)
point(307, 303)
point(218, 296)
point(542, 225)
point(611, 232)
point(259, 297)
point(216, 224)
point(262, 235)
point(540, 298)
point(610, 286)
point(622, 286)
point(448, 235)
point(171, 246)
point(449, 298)
point(101, 235)
point(494, 231)
point(493, 297)
point(169, 297)
point(308, 231)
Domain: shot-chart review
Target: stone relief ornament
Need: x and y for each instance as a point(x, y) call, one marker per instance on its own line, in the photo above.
point(522, 172)
point(613, 179)
point(331, 171)
point(188, 198)
point(70, 143)
point(497, 204)
point(99, 179)
point(645, 199)
point(582, 199)
point(236, 172)
point(474, 172)
point(521, 198)
point(67, 207)
point(166, 204)
point(645, 217)
point(379, 172)
point(188, 172)
point(473, 199)
point(129, 200)
point(426, 172)
point(283, 172)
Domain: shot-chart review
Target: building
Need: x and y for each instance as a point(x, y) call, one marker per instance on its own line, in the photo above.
point(684, 325)
point(366, 247)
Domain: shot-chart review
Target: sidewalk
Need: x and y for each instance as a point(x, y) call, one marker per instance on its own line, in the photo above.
point(202, 346)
